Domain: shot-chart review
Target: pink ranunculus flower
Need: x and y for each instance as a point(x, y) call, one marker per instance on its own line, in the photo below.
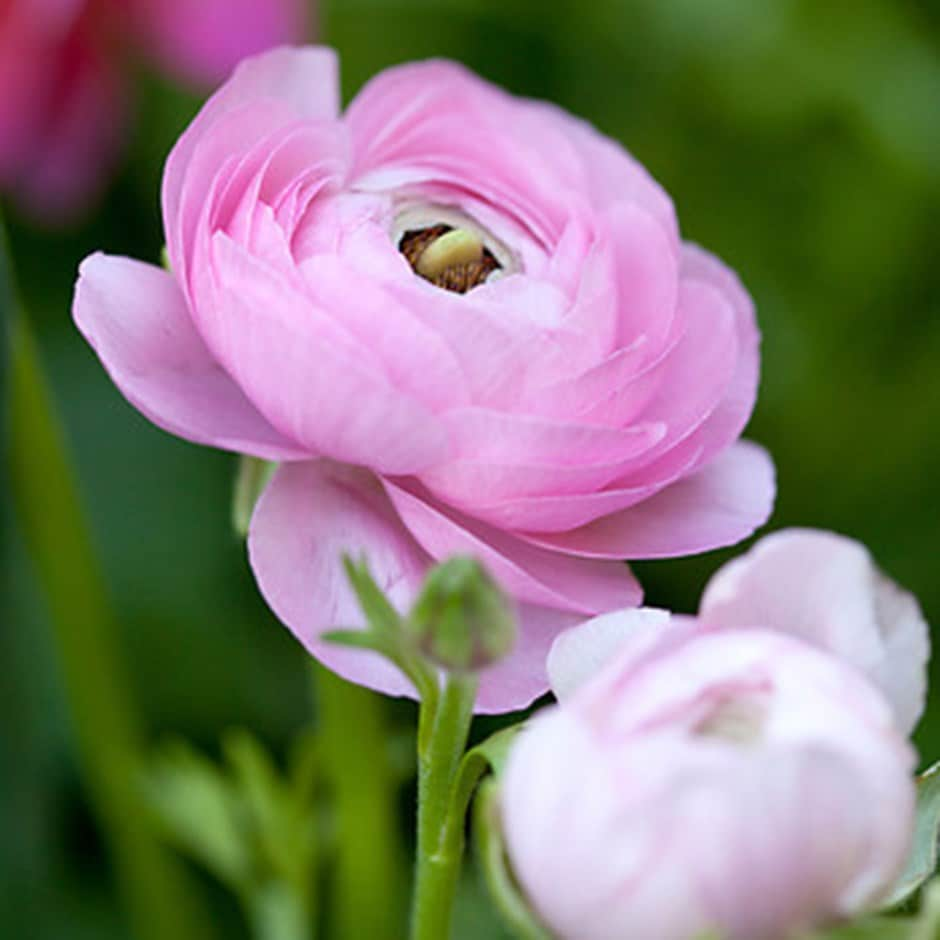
point(826, 589)
point(736, 781)
point(64, 84)
point(464, 323)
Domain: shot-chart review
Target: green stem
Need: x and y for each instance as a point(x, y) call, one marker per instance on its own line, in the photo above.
point(368, 871)
point(440, 831)
point(104, 720)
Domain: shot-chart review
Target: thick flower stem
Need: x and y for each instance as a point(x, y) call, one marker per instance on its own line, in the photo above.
point(104, 720)
point(367, 875)
point(440, 819)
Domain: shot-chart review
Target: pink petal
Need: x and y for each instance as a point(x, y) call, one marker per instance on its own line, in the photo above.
point(307, 375)
point(298, 83)
point(134, 316)
point(729, 419)
point(719, 505)
point(526, 572)
point(518, 680)
point(307, 518)
point(560, 512)
point(202, 42)
point(826, 589)
point(694, 377)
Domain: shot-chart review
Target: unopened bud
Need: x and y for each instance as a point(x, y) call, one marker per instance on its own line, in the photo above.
point(462, 621)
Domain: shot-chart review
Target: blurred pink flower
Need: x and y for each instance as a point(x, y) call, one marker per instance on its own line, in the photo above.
point(826, 589)
point(464, 322)
point(64, 87)
point(743, 782)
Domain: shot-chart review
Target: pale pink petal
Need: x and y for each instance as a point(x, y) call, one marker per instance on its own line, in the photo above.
point(134, 316)
point(826, 589)
point(580, 653)
point(203, 41)
point(526, 572)
point(718, 505)
point(299, 84)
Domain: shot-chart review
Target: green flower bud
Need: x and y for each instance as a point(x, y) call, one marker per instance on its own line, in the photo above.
point(462, 621)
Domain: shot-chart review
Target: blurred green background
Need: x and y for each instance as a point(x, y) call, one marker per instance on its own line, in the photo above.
point(800, 140)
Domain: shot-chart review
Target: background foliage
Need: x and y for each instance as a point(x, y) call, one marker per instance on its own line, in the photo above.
point(800, 140)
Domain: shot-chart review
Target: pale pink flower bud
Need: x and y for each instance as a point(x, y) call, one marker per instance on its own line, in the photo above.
point(826, 589)
point(736, 781)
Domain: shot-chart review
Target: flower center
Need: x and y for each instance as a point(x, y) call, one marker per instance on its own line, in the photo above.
point(738, 719)
point(454, 259)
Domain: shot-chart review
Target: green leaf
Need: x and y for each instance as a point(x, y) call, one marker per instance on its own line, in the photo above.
point(200, 811)
point(248, 824)
point(922, 861)
point(491, 854)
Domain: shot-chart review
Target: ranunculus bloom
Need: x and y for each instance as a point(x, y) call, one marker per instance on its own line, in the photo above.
point(464, 322)
point(742, 782)
point(63, 94)
point(826, 589)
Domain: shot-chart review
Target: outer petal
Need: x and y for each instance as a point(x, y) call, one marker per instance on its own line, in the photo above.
point(719, 505)
point(825, 589)
point(579, 654)
point(308, 517)
point(301, 83)
point(134, 316)
point(526, 572)
point(204, 41)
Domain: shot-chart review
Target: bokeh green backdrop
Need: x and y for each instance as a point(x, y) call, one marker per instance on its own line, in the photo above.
point(800, 140)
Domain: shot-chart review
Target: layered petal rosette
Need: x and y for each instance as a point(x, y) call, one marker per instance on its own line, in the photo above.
point(736, 782)
point(464, 322)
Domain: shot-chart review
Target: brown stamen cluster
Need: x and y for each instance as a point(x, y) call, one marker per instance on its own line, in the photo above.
point(459, 277)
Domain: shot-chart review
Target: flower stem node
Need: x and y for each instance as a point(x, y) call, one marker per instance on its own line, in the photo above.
point(462, 621)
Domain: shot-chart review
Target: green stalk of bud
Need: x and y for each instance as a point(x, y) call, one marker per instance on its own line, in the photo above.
point(462, 621)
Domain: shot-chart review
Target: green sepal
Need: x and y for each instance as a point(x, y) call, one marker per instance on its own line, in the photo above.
point(384, 632)
point(251, 477)
point(922, 860)
point(925, 925)
point(491, 855)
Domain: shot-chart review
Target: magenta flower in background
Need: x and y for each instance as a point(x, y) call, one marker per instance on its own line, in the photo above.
point(464, 322)
point(742, 782)
point(64, 82)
